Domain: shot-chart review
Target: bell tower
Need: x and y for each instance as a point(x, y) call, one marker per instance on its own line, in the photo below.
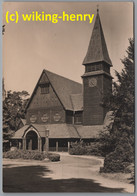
point(97, 80)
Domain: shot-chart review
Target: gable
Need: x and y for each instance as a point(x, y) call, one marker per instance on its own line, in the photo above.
point(44, 100)
point(60, 89)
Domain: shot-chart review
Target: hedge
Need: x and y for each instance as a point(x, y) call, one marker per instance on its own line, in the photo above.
point(81, 148)
point(54, 157)
point(31, 155)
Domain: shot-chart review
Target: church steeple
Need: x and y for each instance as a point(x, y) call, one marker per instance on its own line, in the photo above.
point(97, 80)
point(97, 49)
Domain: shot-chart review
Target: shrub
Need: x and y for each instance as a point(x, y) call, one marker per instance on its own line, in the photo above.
point(35, 155)
point(31, 155)
point(120, 159)
point(54, 157)
point(12, 154)
point(24, 154)
point(6, 146)
point(78, 148)
point(94, 149)
point(81, 148)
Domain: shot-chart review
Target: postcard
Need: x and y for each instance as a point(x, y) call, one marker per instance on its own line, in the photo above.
point(68, 97)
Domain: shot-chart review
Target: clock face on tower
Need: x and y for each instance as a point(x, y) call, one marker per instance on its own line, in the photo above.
point(92, 82)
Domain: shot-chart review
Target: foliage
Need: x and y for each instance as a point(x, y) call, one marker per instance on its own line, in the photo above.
point(120, 138)
point(77, 148)
point(94, 149)
point(118, 160)
point(13, 110)
point(81, 148)
point(131, 169)
point(107, 142)
point(24, 154)
point(54, 157)
point(30, 154)
point(3, 29)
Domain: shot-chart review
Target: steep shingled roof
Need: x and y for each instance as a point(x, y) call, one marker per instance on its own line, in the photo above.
point(77, 102)
point(63, 87)
point(88, 132)
point(97, 49)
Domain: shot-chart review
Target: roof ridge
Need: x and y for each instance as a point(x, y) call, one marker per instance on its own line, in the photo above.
point(105, 45)
point(101, 29)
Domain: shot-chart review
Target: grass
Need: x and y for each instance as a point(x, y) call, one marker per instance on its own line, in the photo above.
point(121, 177)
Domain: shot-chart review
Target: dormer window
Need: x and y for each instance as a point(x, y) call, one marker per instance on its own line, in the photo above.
point(78, 118)
point(44, 88)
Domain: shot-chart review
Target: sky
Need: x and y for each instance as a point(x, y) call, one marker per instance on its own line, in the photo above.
point(30, 47)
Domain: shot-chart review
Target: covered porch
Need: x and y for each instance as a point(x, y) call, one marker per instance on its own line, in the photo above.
point(31, 140)
point(45, 138)
point(34, 143)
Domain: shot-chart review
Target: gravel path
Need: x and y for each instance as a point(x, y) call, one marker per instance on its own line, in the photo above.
point(71, 174)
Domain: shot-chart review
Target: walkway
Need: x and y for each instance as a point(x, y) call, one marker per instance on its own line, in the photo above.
point(71, 174)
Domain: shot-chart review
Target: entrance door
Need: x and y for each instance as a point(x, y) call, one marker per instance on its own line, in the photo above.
point(31, 141)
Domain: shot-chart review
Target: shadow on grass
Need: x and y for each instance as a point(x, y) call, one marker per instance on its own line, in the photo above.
point(35, 179)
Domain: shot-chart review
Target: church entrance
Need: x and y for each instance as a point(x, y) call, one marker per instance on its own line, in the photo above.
point(31, 140)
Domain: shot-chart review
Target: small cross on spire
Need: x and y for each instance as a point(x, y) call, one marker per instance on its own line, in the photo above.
point(97, 8)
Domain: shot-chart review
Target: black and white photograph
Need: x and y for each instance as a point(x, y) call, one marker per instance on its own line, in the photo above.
point(68, 97)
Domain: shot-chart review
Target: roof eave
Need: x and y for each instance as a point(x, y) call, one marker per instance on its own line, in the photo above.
point(94, 62)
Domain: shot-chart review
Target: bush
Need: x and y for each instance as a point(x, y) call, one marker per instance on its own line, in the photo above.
point(6, 146)
point(54, 157)
point(24, 154)
point(120, 159)
point(94, 149)
point(77, 148)
point(81, 148)
point(30, 155)
point(12, 154)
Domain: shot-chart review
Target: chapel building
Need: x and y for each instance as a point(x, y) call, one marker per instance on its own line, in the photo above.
point(65, 111)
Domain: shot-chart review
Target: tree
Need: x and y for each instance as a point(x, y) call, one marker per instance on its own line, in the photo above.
point(13, 110)
point(3, 29)
point(121, 136)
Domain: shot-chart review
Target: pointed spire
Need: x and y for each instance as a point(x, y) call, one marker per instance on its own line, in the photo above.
point(97, 50)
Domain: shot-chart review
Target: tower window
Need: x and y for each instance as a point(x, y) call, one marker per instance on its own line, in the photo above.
point(98, 67)
point(93, 68)
point(44, 88)
point(106, 68)
point(88, 68)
